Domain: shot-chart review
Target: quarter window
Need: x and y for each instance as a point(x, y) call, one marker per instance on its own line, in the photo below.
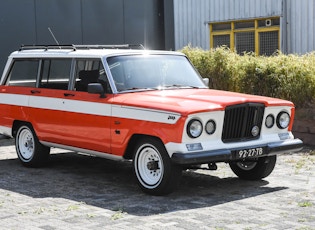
point(23, 73)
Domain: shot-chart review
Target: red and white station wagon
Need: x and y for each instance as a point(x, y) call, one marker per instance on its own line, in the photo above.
point(151, 107)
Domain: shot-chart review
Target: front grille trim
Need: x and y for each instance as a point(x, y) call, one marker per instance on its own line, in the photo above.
point(240, 119)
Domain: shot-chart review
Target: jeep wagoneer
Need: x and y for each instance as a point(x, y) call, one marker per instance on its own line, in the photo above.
point(151, 107)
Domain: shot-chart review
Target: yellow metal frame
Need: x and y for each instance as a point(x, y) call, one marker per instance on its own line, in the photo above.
point(255, 29)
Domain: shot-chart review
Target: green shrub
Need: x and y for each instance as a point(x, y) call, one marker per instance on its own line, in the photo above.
point(290, 77)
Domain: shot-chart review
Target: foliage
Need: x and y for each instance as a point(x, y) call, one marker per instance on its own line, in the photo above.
point(290, 77)
point(305, 204)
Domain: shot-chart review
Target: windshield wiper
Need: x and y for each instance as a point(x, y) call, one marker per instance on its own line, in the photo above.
point(179, 86)
point(174, 86)
point(140, 88)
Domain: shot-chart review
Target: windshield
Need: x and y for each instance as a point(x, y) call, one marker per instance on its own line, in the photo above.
point(139, 72)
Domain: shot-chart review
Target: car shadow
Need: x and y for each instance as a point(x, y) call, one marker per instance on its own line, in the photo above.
point(6, 141)
point(112, 185)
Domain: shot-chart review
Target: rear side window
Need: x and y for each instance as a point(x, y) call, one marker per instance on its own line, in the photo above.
point(23, 73)
point(55, 73)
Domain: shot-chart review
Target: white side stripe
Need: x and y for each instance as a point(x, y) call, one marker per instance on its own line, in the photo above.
point(13, 99)
point(67, 105)
point(92, 108)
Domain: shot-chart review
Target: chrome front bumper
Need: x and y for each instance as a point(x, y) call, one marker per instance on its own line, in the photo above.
point(226, 155)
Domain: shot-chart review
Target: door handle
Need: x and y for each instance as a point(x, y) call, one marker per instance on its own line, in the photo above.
point(69, 94)
point(33, 91)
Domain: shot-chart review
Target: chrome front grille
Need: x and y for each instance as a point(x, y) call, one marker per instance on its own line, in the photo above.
point(240, 120)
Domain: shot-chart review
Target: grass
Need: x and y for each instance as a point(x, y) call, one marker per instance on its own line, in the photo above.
point(306, 161)
point(22, 212)
point(40, 210)
point(118, 215)
point(305, 204)
point(301, 164)
point(74, 207)
point(90, 215)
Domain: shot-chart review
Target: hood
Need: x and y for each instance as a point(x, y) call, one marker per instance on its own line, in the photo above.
point(188, 101)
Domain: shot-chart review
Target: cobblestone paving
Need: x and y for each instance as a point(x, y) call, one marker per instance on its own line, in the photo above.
point(81, 192)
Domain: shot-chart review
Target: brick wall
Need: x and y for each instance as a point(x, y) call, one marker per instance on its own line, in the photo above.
point(304, 125)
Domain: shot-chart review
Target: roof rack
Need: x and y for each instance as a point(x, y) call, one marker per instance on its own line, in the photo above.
point(122, 46)
point(76, 47)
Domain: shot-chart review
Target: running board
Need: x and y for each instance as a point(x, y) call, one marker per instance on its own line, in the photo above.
point(84, 151)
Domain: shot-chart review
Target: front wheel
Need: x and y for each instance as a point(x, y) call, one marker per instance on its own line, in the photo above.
point(29, 150)
point(254, 170)
point(155, 172)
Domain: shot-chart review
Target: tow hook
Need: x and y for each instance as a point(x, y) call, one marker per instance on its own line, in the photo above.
point(212, 166)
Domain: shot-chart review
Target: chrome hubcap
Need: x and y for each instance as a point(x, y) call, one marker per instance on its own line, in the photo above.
point(149, 167)
point(26, 144)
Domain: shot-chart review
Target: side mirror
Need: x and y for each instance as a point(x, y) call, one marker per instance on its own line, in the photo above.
point(96, 88)
point(206, 81)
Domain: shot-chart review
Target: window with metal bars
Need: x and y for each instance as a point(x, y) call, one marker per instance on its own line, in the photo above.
point(268, 42)
point(221, 40)
point(260, 36)
point(245, 42)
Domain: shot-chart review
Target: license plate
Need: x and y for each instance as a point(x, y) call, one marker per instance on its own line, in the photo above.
point(249, 153)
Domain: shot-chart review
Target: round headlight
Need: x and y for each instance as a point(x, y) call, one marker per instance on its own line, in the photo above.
point(210, 127)
point(283, 120)
point(194, 128)
point(270, 121)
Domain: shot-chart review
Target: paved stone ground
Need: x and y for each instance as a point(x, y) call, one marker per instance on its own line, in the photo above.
point(80, 192)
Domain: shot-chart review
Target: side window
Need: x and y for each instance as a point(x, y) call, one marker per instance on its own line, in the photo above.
point(55, 73)
point(23, 73)
point(90, 71)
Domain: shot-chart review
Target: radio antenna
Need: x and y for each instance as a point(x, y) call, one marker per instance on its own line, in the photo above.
point(52, 34)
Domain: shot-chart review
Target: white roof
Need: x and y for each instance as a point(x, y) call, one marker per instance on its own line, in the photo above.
point(91, 52)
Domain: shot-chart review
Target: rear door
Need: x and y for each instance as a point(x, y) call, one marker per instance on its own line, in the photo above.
point(15, 92)
point(62, 110)
point(47, 108)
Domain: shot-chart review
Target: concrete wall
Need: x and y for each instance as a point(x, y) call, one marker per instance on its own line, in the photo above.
point(80, 22)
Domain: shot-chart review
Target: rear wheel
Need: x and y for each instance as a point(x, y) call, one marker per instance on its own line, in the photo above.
point(29, 150)
point(155, 172)
point(254, 170)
